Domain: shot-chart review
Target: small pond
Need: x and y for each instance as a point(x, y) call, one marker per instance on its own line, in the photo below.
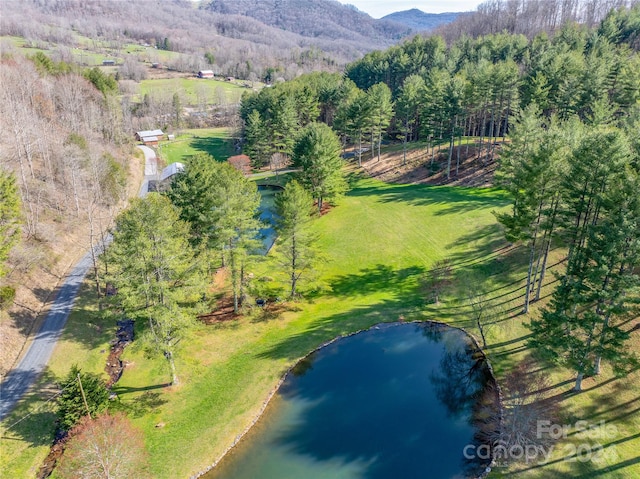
point(392, 402)
point(268, 215)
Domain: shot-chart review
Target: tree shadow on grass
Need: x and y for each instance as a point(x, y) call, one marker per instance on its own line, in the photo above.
point(33, 419)
point(377, 278)
point(141, 405)
point(450, 200)
point(219, 148)
point(332, 326)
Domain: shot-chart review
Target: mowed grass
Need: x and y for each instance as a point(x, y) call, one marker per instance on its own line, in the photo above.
point(85, 342)
point(216, 91)
point(217, 142)
point(379, 242)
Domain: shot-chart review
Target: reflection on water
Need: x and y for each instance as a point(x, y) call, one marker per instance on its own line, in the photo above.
point(392, 402)
point(267, 216)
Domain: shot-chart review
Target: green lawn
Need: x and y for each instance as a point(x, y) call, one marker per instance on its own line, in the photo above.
point(84, 341)
point(215, 91)
point(378, 242)
point(215, 141)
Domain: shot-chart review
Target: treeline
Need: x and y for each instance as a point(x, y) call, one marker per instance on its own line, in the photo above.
point(241, 46)
point(61, 142)
point(471, 88)
point(576, 185)
point(530, 17)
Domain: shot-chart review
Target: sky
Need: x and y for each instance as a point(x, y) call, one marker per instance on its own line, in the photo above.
point(380, 8)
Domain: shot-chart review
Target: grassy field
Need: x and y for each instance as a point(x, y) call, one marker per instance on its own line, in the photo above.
point(215, 91)
point(215, 141)
point(84, 341)
point(379, 242)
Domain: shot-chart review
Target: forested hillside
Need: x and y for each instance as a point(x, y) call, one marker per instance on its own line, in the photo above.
point(421, 21)
point(63, 143)
point(240, 39)
point(314, 18)
point(530, 17)
point(471, 88)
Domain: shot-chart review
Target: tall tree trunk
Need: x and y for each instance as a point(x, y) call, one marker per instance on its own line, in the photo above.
point(547, 246)
point(458, 154)
point(525, 308)
point(172, 365)
point(578, 385)
point(294, 255)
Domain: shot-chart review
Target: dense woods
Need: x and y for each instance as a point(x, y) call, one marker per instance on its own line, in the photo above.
point(547, 91)
point(64, 157)
point(568, 104)
point(250, 40)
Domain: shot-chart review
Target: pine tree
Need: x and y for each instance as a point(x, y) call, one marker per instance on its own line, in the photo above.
point(530, 169)
point(601, 216)
point(257, 141)
point(380, 112)
point(294, 207)
point(317, 153)
point(82, 394)
point(156, 273)
point(235, 227)
point(9, 216)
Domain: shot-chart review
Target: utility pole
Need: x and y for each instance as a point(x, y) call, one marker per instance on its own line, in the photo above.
point(84, 398)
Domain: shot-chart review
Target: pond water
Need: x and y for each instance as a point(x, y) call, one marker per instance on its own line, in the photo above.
point(267, 216)
point(392, 402)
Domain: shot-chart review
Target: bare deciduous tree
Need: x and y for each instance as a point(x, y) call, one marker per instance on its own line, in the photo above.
point(107, 447)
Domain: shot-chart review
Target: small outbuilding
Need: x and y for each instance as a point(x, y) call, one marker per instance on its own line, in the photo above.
point(108, 63)
point(150, 137)
point(172, 169)
point(205, 74)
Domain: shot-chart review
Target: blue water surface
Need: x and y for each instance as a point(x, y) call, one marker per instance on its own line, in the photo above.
point(392, 402)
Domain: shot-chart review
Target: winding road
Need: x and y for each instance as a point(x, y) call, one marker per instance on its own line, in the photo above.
point(20, 378)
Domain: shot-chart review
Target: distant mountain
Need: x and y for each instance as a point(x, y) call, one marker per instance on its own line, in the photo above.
point(318, 19)
point(420, 21)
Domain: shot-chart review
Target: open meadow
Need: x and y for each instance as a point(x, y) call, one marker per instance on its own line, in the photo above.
point(379, 242)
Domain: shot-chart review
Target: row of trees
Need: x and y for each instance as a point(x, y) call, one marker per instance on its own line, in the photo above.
point(164, 246)
point(274, 117)
point(471, 88)
point(577, 185)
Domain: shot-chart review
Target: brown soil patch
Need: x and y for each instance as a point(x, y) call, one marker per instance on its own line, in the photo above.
point(223, 312)
point(421, 166)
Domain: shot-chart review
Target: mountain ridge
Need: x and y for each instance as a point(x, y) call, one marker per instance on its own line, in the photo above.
point(420, 21)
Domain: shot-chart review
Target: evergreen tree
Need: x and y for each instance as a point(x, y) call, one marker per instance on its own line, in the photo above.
point(9, 216)
point(235, 227)
point(408, 105)
point(380, 112)
point(284, 125)
point(317, 153)
point(192, 192)
point(294, 207)
point(77, 388)
point(601, 218)
point(257, 139)
point(156, 273)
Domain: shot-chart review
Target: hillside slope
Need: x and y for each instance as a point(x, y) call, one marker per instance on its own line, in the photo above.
point(421, 21)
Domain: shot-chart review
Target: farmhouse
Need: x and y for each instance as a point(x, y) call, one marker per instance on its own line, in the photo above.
point(205, 74)
point(150, 137)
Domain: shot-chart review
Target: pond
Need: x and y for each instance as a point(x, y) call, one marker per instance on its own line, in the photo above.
point(267, 216)
point(392, 402)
